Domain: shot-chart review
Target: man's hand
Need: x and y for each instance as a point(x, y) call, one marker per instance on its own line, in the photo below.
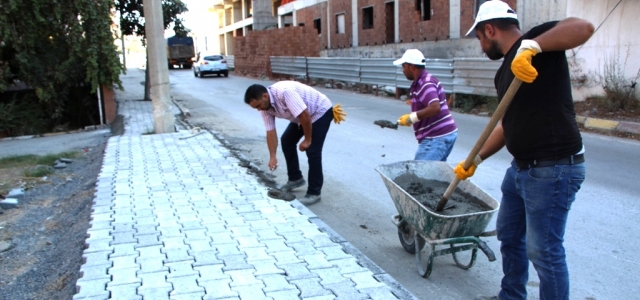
point(338, 114)
point(305, 145)
point(273, 164)
point(408, 119)
point(521, 65)
point(463, 174)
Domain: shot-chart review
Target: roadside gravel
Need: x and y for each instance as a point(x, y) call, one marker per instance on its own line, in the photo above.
point(46, 233)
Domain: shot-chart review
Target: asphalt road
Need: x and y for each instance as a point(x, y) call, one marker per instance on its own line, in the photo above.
point(601, 240)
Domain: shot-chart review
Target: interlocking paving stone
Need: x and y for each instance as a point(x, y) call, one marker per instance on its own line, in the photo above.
point(218, 289)
point(275, 282)
point(95, 272)
point(251, 292)
point(96, 258)
point(124, 276)
point(185, 285)
point(127, 291)
point(310, 287)
point(179, 269)
point(364, 280)
point(346, 290)
point(211, 272)
point(155, 293)
point(187, 296)
point(180, 219)
point(266, 267)
point(297, 271)
point(91, 289)
point(235, 262)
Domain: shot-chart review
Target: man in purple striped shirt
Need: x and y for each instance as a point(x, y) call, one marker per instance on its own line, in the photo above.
point(310, 113)
point(432, 122)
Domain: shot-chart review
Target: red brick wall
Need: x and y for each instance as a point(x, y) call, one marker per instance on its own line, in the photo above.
point(252, 51)
point(109, 101)
point(308, 14)
point(377, 34)
point(342, 40)
point(467, 14)
point(412, 29)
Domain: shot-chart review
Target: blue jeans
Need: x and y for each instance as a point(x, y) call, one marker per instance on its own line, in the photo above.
point(289, 141)
point(436, 148)
point(531, 225)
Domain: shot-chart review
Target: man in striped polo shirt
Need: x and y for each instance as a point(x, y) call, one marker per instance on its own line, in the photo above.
point(310, 113)
point(434, 127)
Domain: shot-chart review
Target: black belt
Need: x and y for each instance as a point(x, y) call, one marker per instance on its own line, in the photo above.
point(540, 163)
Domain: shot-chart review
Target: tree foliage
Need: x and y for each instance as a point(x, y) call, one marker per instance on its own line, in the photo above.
point(55, 46)
point(132, 16)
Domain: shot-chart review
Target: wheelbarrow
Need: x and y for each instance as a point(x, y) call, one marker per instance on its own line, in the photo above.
point(422, 229)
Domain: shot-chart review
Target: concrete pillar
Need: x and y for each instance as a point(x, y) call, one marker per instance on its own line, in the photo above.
point(354, 23)
point(158, 68)
point(396, 21)
point(263, 15)
point(454, 19)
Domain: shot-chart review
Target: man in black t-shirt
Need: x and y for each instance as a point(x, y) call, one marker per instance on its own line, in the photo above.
point(540, 131)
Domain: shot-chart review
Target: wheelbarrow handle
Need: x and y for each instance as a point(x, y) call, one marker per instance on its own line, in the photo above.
point(495, 118)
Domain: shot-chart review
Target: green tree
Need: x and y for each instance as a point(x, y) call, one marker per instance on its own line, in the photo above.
point(56, 46)
point(132, 22)
point(132, 16)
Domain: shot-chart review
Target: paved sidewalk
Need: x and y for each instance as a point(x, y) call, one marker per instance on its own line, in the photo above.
point(176, 217)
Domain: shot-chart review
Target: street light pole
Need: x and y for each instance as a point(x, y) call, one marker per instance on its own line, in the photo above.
point(157, 67)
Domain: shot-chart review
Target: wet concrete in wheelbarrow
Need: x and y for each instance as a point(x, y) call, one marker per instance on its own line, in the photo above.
point(429, 193)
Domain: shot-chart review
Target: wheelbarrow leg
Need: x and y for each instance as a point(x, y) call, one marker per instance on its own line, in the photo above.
point(472, 260)
point(424, 256)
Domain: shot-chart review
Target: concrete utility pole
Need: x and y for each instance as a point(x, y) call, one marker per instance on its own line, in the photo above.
point(158, 68)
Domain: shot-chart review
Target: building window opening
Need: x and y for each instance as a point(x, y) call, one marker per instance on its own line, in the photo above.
point(389, 22)
point(424, 7)
point(367, 17)
point(317, 24)
point(340, 23)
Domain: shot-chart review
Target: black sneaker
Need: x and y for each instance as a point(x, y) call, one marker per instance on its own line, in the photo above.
point(290, 185)
point(310, 199)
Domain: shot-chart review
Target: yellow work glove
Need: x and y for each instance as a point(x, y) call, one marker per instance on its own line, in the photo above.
point(463, 174)
point(338, 114)
point(408, 119)
point(521, 64)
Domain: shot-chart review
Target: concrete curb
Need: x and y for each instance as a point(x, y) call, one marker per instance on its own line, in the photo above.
point(608, 125)
point(185, 111)
point(86, 128)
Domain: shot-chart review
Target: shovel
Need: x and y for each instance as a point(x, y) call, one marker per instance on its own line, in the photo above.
point(497, 115)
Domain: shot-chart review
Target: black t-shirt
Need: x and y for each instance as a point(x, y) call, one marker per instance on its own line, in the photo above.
point(540, 122)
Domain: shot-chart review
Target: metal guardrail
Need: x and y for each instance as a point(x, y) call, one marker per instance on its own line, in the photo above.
point(475, 76)
point(334, 68)
point(379, 71)
point(459, 75)
point(289, 65)
point(230, 61)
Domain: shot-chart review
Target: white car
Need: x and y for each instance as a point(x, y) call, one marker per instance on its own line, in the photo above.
point(211, 64)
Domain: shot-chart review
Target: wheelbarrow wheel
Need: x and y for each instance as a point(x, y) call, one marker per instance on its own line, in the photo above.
point(461, 265)
point(424, 256)
point(407, 237)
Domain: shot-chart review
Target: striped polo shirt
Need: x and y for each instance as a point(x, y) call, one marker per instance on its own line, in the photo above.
point(424, 91)
point(289, 99)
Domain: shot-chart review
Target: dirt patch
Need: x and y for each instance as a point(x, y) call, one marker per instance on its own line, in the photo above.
point(48, 230)
point(594, 108)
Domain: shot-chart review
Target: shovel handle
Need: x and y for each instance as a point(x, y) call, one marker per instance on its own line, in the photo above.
point(495, 118)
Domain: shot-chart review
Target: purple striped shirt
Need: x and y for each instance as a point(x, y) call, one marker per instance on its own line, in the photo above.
point(289, 99)
point(424, 91)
